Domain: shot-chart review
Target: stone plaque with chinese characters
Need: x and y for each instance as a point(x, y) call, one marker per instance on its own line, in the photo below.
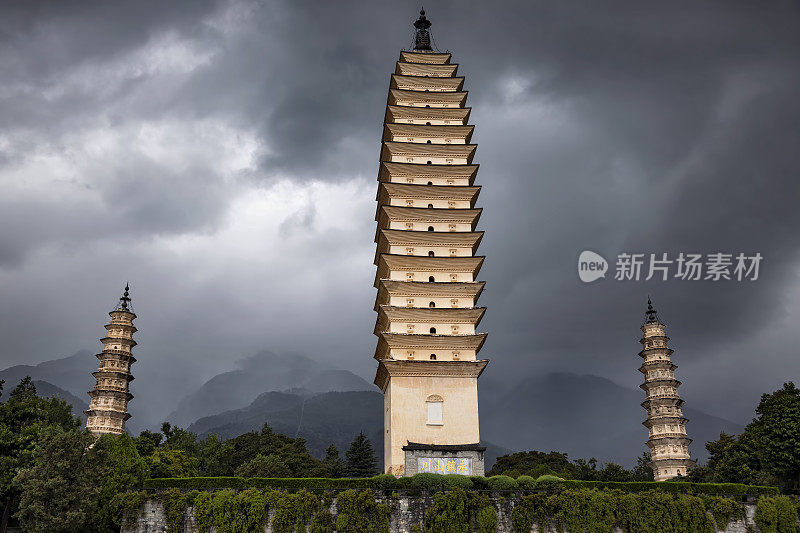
point(439, 465)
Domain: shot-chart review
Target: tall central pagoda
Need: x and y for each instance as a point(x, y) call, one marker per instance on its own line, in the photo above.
point(427, 268)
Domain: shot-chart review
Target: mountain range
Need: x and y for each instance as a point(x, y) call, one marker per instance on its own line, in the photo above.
point(582, 415)
point(264, 372)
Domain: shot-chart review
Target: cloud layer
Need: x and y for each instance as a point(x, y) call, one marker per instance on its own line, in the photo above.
point(221, 157)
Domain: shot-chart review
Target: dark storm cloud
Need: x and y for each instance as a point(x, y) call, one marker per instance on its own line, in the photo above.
point(616, 126)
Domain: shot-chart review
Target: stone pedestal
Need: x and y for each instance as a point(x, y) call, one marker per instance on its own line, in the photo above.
point(461, 459)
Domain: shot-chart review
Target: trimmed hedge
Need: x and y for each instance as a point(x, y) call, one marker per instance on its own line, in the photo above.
point(682, 487)
point(460, 511)
point(436, 482)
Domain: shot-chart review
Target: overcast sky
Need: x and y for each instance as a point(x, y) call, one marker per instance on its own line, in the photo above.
point(221, 156)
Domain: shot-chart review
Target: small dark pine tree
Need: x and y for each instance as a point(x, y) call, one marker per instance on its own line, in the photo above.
point(643, 471)
point(334, 466)
point(361, 460)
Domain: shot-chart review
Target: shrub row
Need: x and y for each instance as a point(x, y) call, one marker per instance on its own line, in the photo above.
point(435, 482)
point(457, 511)
point(683, 487)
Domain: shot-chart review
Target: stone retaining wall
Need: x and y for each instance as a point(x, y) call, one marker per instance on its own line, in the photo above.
point(406, 517)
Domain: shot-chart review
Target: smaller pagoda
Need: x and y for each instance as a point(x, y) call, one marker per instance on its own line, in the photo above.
point(108, 408)
point(668, 443)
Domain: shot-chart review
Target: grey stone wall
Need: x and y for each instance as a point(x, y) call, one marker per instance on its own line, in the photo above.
point(407, 517)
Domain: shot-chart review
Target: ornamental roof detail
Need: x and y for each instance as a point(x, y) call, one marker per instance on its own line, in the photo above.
point(425, 57)
point(447, 70)
point(403, 341)
point(454, 369)
point(424, 131)
point(424, 98)
point(429, 238)
point(392, 262)
point(391, 170)
point(392, 149)
point(423, 214)
point(421, 288)
point(419, 83)
point(397, 113)
point(458, 315)
point(439, 192)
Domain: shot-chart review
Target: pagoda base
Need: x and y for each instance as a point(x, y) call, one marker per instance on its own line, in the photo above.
point(462, 459)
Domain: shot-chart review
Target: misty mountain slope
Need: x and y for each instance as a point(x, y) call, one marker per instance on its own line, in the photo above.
point(333, 417)
point(258, 374)
point(72, 374)
point(584, 416)
point(46, 390)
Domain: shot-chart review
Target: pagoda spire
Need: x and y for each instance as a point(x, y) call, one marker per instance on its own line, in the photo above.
point(422, 39)
point(125, 299)
point(108, 408)
point(668, 443)
point(650, 313)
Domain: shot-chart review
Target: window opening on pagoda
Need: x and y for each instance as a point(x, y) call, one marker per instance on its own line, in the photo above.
point(432, 304)
point(430, 162)
point(433, 357)
point(433, 331)
point(427, 105)
point(431, 279)
point(427, 123)
point(429, 141)
point(430, 228)
point(430, 183)
point(430, 253)
point(434, 408)
point(430, 206)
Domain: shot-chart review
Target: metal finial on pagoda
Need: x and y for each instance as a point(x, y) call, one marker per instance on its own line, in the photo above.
point(667, 439)
point(650, 313)
point(422, 40)
point(108, 408)
point(125, 299)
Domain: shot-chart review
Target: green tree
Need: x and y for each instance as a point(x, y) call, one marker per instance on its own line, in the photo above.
point(334, 466)
point(167, 462)
point(121, 468)
point(642, 471)
point(736, 460)
point(222, 459)
point(147, 442)
point(360, 458)
point(60, 487)
point(615, 472)
point(73, 479)
point(23, 417)
point(530, 460)
point(264, 466)
point(767, 452)
point(210, 454)
point(179, 439)
point(586, 470)
point(778, 429)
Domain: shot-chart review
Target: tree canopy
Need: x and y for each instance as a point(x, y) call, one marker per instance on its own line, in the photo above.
point(767, 452)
